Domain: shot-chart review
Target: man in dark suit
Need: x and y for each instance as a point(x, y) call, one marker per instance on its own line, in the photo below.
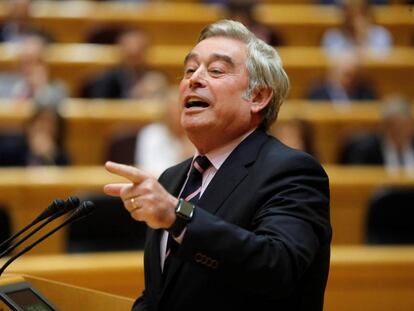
point(392, 147)
point(344, 82)
point(118, 81)
point(254, 233)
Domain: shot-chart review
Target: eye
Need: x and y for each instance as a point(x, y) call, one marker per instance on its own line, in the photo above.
point(216, 71)
point(189, 71)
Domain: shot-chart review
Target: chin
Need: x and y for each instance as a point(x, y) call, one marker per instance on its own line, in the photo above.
point(196, 125)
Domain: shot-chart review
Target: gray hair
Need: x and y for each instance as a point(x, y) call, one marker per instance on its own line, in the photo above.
point(263, 64)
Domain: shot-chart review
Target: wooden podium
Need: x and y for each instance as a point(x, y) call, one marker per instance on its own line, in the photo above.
point(68, 297)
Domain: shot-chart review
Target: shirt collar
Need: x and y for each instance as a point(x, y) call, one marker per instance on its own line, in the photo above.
point(219, 155)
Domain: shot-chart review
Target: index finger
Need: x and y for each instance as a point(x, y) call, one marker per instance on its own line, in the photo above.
point(129, 172)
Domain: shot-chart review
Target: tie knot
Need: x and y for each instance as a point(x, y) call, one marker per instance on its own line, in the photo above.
point(201, 163)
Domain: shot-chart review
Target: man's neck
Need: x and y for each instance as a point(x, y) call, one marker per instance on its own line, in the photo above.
point(209, 143)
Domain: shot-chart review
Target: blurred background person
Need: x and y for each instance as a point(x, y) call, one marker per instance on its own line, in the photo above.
point(295, 133)
point(358, 31)
point(18, 24)
point(344, 82)
point(41, 143)
point(32, 79)
point(163, 144)
point(393, 146)
point(243, 12)
point(122, 81)
point(152, 86)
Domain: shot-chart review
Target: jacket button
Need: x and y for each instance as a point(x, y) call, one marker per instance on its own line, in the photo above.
point(198, 257)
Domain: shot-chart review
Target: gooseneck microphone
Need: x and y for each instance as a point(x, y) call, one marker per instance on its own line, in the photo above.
point(82, 211)
point(56, 205)
point(53, 211)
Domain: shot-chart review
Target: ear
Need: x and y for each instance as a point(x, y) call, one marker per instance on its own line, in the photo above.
point(260, 99)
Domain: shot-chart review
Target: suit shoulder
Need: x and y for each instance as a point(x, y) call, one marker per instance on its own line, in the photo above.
point(287, 158)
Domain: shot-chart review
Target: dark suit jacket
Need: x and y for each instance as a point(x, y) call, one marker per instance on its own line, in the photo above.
point(323, 91)
point(114, 83)
point(259, 238)
point(15, 151)
point(365, 149)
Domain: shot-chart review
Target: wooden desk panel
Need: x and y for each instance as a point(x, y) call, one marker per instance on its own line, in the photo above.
point(360, 279)
point(26, 192)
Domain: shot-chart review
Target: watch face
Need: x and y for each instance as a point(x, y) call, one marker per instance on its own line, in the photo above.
point(185, 210)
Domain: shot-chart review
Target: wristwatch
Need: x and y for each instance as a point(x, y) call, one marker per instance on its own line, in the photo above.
point(184, 212)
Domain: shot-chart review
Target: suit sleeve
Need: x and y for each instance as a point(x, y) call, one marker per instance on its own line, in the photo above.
point(140, 304)
point(288, 226)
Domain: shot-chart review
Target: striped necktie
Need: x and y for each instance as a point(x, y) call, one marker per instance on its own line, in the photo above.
point(190, 193)
point(192, 189)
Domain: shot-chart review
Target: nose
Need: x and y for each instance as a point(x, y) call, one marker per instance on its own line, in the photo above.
point(197, 79)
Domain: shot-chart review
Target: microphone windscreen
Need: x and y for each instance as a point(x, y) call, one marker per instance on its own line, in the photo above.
point(71, 203)
point(53, 208)
point(84, 210)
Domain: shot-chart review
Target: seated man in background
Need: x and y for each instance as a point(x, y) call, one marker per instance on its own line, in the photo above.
point(32, 79)
point(124, 80)
point(295, 133)
point(18, 23)
point(393, 146)
point(358, 33)
point(343, 83)
point(163, 144)
point(42, 142)
point(243, 12)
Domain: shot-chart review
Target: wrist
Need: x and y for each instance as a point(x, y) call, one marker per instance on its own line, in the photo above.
point(184, 212)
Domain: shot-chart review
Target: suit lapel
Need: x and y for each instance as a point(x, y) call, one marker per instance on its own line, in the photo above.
point(230, 174)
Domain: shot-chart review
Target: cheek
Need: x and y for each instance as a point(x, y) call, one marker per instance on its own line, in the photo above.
point(181, 91)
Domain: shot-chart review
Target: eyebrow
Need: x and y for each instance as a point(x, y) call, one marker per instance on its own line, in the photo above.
point(213, 57)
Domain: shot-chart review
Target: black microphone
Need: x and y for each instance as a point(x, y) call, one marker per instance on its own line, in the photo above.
point(56, 205)
point(82, 211)
point(53, 211)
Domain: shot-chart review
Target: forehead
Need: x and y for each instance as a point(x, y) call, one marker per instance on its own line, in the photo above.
point(227, 47)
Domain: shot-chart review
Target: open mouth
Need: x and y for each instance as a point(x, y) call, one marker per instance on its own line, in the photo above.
point(196, 103)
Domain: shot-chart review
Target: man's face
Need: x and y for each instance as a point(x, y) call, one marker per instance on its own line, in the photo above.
point(211, 91)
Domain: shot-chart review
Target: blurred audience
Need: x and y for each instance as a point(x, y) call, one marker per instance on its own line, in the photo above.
point(344, 82)
point(163, 144)
point(243, 11)
point(104, 33)
point(357, 32)
point(124, 80)
point(18, 23)
point(393, 146)
point(41, 142)
point(295, 133)
point(339, 2)
point(32, 79)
